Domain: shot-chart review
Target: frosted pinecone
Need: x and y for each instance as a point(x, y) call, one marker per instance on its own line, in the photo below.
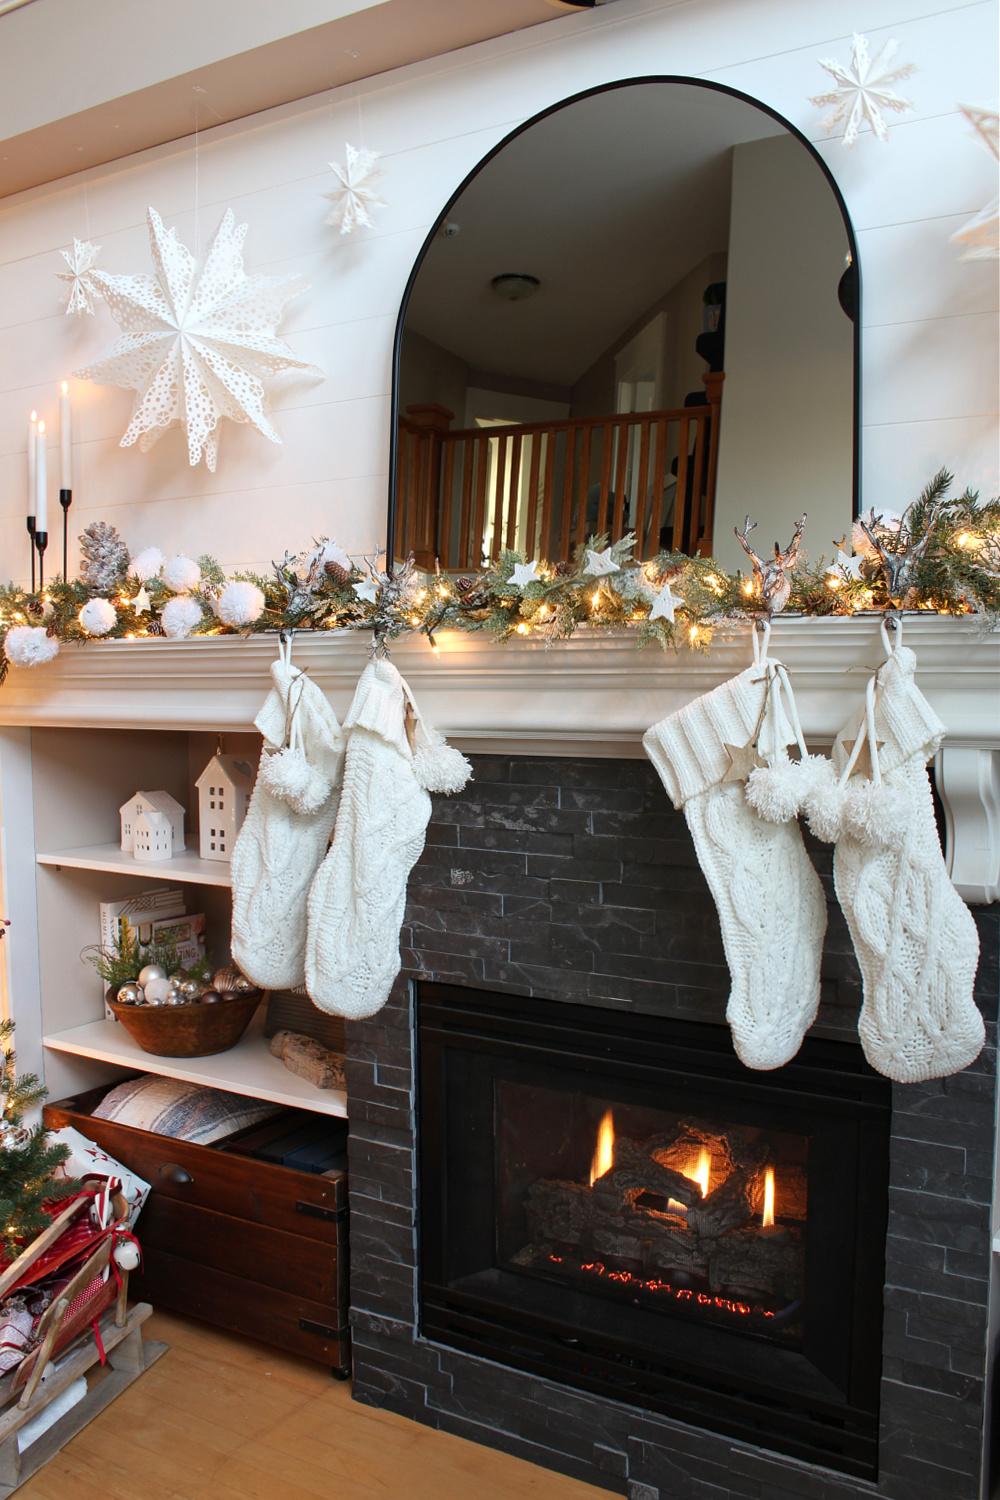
point(105, 557)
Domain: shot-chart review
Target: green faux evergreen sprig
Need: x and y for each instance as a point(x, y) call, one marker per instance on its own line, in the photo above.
point(28, 1159)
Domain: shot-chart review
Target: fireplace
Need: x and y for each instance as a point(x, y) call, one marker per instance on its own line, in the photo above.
point(616, 1202)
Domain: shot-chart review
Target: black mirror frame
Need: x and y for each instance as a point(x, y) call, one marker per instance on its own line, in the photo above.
point(604, 88)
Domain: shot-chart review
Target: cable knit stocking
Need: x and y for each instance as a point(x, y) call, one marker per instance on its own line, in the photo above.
point(768, 895)
point(358, 897)
point(914, 937)
point(287, 828)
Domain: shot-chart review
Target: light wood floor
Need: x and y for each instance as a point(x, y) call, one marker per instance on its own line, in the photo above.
point(223, 1418)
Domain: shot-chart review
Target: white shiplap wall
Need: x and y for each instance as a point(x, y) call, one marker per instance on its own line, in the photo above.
point(930, 348)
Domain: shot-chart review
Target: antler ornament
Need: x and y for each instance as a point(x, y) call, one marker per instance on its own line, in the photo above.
point(772, 583)
point(897, 548)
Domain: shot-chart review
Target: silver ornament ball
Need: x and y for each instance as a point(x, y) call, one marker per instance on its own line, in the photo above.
point(129, 994)
point(151, 971)
point(210, 997)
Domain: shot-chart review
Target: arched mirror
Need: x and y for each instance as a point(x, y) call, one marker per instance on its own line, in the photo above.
point(638, 314)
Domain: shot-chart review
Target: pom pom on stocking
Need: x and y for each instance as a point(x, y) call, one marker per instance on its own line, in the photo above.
point(777, 793)
point(180, 616)
point(29, 646)
point(438, 766)
point(877, 816)
point(288, 776)
point(98, 616)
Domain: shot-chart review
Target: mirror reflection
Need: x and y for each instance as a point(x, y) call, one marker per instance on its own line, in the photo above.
point(638, 315)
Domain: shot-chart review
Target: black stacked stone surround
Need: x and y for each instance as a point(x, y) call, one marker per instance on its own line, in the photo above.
point(575, 879)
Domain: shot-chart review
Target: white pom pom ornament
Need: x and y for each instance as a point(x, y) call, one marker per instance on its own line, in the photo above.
point(148, 563)
point(878, 816)
point(240, 604)
point(288, 776)
point(29, 646)
point(181, 574)
point(180, 616)
point(98, 616)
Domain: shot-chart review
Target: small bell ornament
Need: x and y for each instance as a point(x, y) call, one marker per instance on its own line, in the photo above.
point(127, 1255)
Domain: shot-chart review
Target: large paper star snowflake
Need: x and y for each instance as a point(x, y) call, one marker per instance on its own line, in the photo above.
point(355, 196)
point(863, 90)
point(981, 236)
point(198, 337)
point(81, 290)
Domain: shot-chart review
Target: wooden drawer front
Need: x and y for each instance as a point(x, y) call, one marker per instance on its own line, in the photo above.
point(243, 1306)
point(288, 1262)
point(239, 1186)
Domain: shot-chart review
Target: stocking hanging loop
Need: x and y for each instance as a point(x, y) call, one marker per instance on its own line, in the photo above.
point(761, 628)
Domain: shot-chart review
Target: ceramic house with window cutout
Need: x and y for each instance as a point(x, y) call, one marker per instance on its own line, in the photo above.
point(152, 802)
point(224, 789)
point(153, 838)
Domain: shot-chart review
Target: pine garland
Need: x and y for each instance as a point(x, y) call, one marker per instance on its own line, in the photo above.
point(27, 1159)
point(942, 555)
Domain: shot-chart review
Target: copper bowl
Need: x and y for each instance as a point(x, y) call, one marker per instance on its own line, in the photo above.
point(188, 1030)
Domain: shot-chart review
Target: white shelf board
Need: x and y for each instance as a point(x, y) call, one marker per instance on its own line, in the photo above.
point(247, 1068)
point(186, 867)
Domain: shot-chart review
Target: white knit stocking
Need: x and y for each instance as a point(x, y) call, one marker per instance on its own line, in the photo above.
point(358, 897)
point(282, 841)
point(914, 937)
point(769, 898)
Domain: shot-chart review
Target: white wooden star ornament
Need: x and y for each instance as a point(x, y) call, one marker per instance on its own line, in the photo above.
point(355, 196)
point(523, 574)
point(601, 564)
point(81, 291)
point(849, 565)
point(367, 589)
point(198, 339)
point(664, 604)
point(863, 90)
point(980, 237)
point(141, 603)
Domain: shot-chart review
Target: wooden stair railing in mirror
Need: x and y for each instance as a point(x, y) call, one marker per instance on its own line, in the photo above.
point(544, 487)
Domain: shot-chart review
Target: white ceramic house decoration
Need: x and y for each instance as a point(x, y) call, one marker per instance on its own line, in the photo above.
point(149, 802)
point(224, 789)
point(153, 838)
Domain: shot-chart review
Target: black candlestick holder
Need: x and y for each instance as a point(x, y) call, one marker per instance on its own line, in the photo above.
point(65, 500)
point(41, 542)
point(30, 523)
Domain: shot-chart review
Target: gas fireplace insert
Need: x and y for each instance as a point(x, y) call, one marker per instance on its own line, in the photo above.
point(615, 1202)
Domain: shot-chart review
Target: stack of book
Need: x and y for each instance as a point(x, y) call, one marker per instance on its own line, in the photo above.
point(154, 918)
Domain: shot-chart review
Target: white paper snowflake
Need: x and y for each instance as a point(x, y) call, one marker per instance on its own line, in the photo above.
point(980, 238)
point(198, 337)
point(355, 196)
point(81, 290)
point(863, 90)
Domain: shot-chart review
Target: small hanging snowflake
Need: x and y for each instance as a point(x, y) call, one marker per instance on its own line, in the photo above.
point(980, 237)
point(353, 199)
point(79, 295)
point(197, 338)
point(863, 90)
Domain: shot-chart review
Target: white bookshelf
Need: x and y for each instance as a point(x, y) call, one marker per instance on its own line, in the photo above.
point(247, 1068)
point(187, 868)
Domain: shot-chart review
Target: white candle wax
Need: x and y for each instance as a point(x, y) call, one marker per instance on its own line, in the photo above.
point(32, 439)
point(65, 440)
point(41, 483)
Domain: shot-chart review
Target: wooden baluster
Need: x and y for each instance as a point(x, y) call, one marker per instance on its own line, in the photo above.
point(482, 445)
point(607, 443)
point(640, 519)
point(713, 389)
point(464, 518)
point(569, 460)
point(680, 503)
point(515, 490)
point(584, 486)
point(431, 422)
point(547, 488)
point(621, 468)
point(498, 498)
point(447, 488)
point(403, 497)
point(659, 470)
point(700, 444)
point(530, 524)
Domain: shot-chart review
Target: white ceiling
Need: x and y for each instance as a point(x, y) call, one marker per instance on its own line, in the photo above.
point(609, 202)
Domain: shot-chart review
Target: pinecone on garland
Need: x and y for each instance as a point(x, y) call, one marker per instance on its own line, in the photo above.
point(563, 569)
point(340, 575)
point(105, 557)
point(155, 628)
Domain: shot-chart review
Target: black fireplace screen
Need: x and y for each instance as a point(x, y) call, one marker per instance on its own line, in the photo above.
point(615, 1202)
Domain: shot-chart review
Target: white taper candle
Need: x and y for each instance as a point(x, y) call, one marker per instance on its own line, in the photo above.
point(32, 439)
point(41, 483)
point(65, 440)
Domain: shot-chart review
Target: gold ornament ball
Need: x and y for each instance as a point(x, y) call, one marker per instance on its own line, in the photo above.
point(210, 997)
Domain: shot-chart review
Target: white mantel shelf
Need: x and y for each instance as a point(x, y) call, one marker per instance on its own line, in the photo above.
point(594, 694)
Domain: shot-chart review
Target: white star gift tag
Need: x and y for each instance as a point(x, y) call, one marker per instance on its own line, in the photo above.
point(141, 603)
point(601, 564)
point(367, 589)
point(524, 573)
point(664, 605)
point(81, 291)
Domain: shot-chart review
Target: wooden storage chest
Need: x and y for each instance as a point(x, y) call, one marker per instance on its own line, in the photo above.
point(254, 1247)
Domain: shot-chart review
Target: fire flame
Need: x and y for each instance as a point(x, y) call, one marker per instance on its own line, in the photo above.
point(699, 1171)
point(768, 1218)
point(604, 1155)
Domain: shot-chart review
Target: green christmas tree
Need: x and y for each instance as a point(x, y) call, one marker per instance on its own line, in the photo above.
point(27, 1157)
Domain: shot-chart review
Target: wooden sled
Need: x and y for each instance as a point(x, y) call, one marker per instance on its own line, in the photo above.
point(68, 1327)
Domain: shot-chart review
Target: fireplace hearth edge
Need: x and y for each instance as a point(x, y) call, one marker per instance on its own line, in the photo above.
point(938, 1241)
